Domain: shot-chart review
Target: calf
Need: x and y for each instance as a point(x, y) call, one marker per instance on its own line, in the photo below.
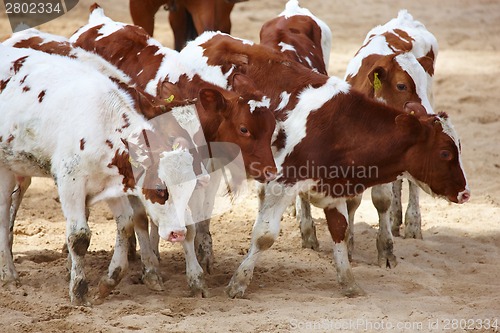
point(330, 138)
point(87, 149)
point(188, 18)
point(247, 122)
point(300, 36)
point(305, 39)
point(52, 44)
point(395, 65)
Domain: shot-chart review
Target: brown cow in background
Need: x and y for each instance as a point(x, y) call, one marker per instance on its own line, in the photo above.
point(188, 18)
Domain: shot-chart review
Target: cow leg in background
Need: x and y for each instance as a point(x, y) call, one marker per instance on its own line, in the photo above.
point(17, 197)
point(72, 197)
point(182, 27)
point(413, 219)
point(151, 266)
point(352, 205)
point(307, 228)
point(194, 272)
point(273, 200)
point(122, 211)
point(8, 272)
point(396, 207)
point(337, 220)
point(382, 199)
point(143, 13)
point(223, 10)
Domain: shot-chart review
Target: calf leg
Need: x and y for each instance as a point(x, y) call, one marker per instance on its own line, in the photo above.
point(17, 196)
point(336, 218)
point(352, 205)
point(307, 228)
point(194, 272)
point(382, 199)
point(8, 272)
point(72, 197)
point(265, 230)
point(396, 208)
point(151, 272)
point(413, 220)
point(119, 262)
point(202, 204)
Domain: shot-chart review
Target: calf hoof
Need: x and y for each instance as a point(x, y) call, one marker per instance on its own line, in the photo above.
point(198, 287)
point(412, 233)
point(106, 285)
point(153, 280)
point(310, 242)
point(387, 260)
point(199, 292)
point(353, 291)
point(235, 290)
point(78, 292)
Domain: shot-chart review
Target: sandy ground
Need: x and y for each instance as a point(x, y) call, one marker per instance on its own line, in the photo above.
point(450, 275)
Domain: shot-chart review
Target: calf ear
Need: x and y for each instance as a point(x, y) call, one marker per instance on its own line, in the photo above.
point(409, 124)
point(243, 84)
point(376, 77)
point(428, 64)
point(212, 100)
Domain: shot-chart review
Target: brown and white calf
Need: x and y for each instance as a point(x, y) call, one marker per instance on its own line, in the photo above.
point(166, 123)
point(333, 143)
point(395, 65)
point(304, 38)
point(300, 36)
point(248, 122)
point(97, 150)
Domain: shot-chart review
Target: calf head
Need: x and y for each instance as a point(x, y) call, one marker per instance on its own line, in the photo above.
point(434, 162)
point(167, 180)
point(394, 79)
point(242, 117)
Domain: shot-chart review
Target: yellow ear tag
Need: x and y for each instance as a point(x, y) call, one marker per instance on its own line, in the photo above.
point(169, 99)
point(377, 84)
point(175, 146)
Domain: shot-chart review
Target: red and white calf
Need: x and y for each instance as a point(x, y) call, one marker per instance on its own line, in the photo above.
point(300, 36)
point(395, 65)
point(333, 143)
point(246, 120)
point(166, 124)
point(303, 38)
point(45, 131)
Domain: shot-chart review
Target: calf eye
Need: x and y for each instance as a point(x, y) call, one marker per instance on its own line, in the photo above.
point(401, 86)
point(445, 155)
point(244, 130)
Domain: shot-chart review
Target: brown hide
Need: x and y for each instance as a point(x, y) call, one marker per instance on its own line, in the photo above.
point(302, 33)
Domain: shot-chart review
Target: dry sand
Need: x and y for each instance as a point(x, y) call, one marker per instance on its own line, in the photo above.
point(453, 274)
